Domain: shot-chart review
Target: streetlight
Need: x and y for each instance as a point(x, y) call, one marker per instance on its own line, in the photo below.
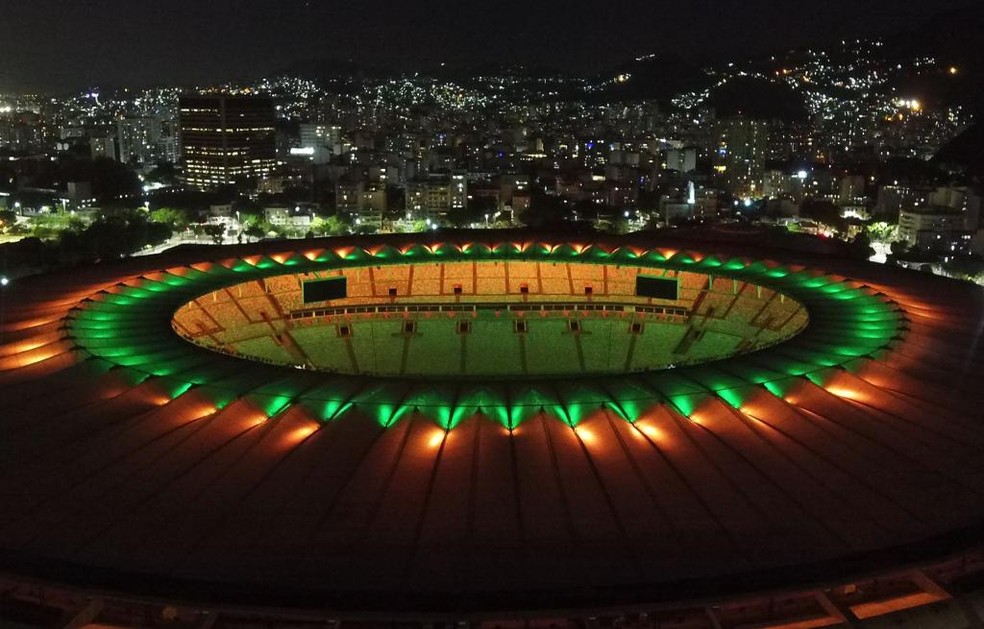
point(4, 281)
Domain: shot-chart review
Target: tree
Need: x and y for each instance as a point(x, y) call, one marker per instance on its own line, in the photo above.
point(825, 212)
point(475, 211)
point(883, 232)
point(331, 225)
point(899, 248)
point(968, 267)
point(7, 220)
point(164, 173)
point(175, 218)
point(112, 235)
point(256, 228)
point(215, 232)
point(860, 246)
point(619, 225)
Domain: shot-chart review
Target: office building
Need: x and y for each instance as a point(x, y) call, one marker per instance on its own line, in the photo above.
point(226, 140)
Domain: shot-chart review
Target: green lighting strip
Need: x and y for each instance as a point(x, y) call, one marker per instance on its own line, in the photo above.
point(129, 326)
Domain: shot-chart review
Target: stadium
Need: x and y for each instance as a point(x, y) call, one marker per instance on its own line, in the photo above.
point(488, 428)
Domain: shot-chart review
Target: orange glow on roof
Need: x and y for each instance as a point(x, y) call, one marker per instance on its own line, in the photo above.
point(880, 383)
point(847, 393)
point(650, 431)
point(437, 439)
point(298, 435)
point(752, 411)
point(281, 257)
point(880, 608)
point(136, 282)
point(24, 346)
point(925, 314)
point(343, 252)
point(201, 412)
point(587, 436)
point(313, 254)
point(33, 357)
point(810, 623)
point(30, 323)
point(849, 387)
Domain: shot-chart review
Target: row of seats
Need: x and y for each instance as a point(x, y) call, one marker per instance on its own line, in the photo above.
point(267, 299)
point(495, 278)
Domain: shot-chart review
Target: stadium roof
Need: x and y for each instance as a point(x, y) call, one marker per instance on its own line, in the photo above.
point(135, 461)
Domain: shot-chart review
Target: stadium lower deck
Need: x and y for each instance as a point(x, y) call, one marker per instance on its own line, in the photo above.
point(472, 319)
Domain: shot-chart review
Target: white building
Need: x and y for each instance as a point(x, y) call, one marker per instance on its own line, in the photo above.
point(916, 223)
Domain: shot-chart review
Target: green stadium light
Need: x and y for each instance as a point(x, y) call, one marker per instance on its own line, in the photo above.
point(129, 326)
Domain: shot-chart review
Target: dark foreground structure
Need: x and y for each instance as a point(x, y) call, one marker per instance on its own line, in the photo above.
point(491, 428)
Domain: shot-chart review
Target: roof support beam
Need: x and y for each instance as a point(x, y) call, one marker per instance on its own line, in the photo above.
point(86, 615)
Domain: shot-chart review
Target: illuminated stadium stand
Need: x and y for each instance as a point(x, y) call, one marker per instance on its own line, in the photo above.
point(602, 342)
point(830, 477)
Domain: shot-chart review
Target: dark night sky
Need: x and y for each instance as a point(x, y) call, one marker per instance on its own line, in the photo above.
point(70, 44)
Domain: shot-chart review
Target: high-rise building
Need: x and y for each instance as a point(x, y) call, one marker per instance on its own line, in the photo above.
point(428, 199)
point(851, 190)
point(437, 196)
point(459, 191)
point(136, 136)
point(682, 160)
point(226, 140)
point(742, 154)
point(318, 141)
point(102, 146)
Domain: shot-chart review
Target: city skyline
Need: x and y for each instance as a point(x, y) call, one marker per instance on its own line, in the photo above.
point(109, 43)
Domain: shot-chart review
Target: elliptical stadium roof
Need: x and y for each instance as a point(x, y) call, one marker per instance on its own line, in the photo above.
point(137, 462)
